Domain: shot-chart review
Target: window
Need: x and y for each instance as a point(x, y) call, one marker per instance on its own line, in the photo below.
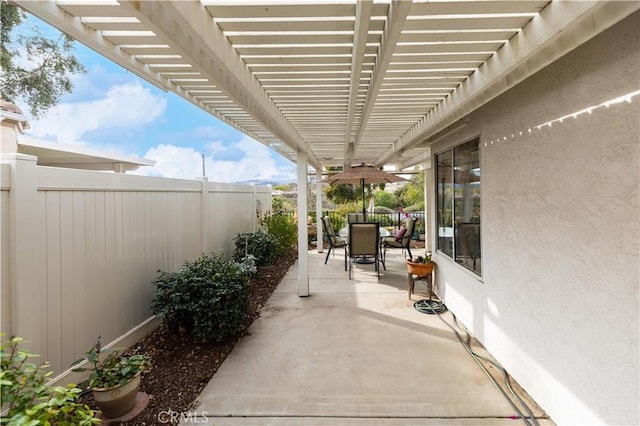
point(458, 197)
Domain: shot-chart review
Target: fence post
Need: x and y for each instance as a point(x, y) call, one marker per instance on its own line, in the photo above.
point(25, 291)
point(204, 199)
point(254, 209)
point(26, 288)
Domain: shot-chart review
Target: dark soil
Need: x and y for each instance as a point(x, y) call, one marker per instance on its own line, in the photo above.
point(183, 365)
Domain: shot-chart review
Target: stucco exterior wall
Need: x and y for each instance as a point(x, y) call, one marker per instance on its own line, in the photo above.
point(558, 302)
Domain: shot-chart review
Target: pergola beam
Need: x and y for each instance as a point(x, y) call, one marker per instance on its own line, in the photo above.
point(398, 12)
point(196, 37)
point(560, 27)
point(361, 31)
point(48, 11)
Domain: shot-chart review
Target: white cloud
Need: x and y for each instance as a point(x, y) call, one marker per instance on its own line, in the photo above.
point(124, 106)
point(256, 162)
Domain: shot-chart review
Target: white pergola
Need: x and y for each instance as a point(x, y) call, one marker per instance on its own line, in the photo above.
point(334, 83)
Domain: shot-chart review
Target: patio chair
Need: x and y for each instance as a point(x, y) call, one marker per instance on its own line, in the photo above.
point(364, 242)
point(355, 218)
point(335, 240)
point(402, 239)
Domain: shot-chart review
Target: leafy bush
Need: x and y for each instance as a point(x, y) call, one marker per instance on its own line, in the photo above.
point(417, 207)
point(384, 210)
point(385, 199)
point(262, 245)
point(208, 297)
point(282, 229)
point(27, 398)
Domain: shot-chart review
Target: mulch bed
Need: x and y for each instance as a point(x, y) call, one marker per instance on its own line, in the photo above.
point(183, 365)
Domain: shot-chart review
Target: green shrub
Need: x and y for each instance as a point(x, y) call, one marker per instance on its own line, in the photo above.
point(417, 207)
point(384, 210)
point(262, 245)
point(27, 398)
point(282, 229)
point(208, 297)
point(385, 199)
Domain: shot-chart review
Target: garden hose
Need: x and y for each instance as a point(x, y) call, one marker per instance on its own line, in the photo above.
point(428, 306)
point(435, 307)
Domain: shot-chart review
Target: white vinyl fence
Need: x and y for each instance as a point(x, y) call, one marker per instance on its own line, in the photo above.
point(80, 249)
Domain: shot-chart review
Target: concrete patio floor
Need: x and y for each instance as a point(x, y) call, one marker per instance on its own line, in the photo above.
point(354, 353)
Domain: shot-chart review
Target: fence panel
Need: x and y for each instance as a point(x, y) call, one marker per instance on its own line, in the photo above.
point(101, 240)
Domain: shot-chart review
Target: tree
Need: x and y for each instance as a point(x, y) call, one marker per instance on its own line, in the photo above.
point(34, 67)
point(411, 195)
point(339, 193)
point(385, 199)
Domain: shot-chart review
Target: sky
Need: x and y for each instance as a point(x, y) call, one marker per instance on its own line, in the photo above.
point(114, 110)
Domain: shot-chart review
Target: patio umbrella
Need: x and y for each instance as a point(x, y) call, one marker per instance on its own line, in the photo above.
point(363, 174)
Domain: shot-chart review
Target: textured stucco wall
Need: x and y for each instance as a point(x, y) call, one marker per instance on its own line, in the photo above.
point(558, 303)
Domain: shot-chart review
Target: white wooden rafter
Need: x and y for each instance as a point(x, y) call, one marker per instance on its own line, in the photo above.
point(558, 29)
point(344, 81)
point(193, 32)
point(361, 30)
point(398, 11)
point(49, 11)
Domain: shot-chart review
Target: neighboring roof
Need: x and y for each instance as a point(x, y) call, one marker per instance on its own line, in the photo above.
point(344, 81)
point(78, 157)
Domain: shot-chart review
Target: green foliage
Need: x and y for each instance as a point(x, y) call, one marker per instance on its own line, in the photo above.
point(208, 297)
point(352, 207)
point(27, 398)
point(114, 369)
point(385, 199)
point(262, 245)
point(341, 193)
point(382, 209)
point(282, 229)
point(281, 204)
point(277, 203)
point(412, 194)
point(417, 207)
point(51, 63)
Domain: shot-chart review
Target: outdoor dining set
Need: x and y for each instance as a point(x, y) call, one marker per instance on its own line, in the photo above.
point(366, 242)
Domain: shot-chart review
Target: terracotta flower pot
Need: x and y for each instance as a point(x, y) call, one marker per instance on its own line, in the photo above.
point(420, 269)
point(118, 400)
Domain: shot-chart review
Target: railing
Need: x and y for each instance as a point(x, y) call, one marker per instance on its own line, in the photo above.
point(338, 221)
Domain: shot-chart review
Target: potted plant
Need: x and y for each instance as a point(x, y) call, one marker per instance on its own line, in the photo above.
point(420, 265)
point(114, 378)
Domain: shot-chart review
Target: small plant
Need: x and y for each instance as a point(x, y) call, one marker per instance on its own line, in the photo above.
point(423, 259)
point(248, 265)
point(28, 400)
point(114, 369)
point(262, 245)
point(282, 229)
point(208, 297)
